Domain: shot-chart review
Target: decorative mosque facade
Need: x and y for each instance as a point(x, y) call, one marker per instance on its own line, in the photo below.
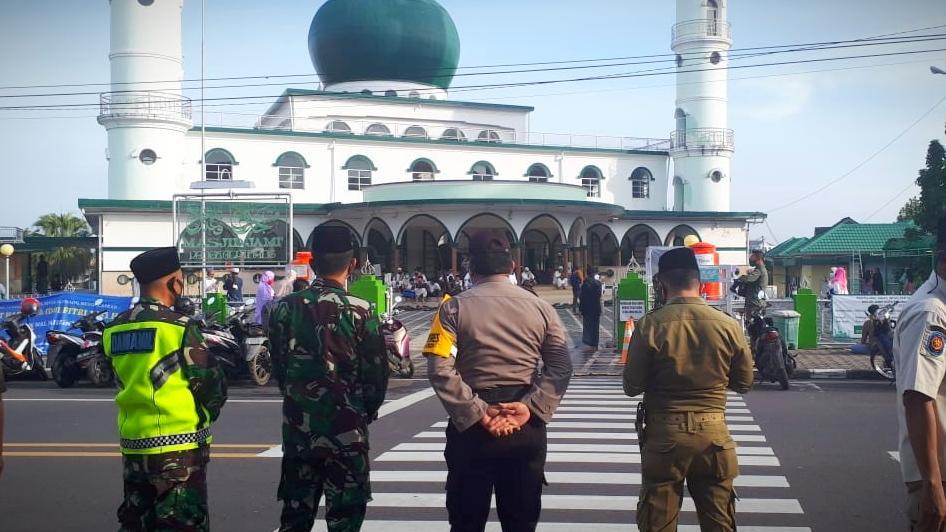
point(382, 148)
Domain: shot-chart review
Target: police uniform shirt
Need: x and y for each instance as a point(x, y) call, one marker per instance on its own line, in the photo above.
point(919, 346)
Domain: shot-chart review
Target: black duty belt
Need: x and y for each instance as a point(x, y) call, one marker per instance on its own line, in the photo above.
point(200, 436)
point(686, 417)
point(503, 394)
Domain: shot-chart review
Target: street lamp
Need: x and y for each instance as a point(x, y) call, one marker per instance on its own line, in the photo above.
point(6, 250)
point(937, 70)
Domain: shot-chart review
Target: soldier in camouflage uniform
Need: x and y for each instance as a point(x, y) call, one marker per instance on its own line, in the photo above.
point(328, 357)
point(170, 390)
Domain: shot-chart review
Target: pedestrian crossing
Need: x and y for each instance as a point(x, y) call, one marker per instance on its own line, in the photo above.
point(593, 470)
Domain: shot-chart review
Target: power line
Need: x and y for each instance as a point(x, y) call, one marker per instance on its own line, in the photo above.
point(772, 49)
point(891, 200)
point(467, 88)
point(862, 163)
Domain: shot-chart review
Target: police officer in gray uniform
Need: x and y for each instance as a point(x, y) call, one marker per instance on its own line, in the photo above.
point(498, 359)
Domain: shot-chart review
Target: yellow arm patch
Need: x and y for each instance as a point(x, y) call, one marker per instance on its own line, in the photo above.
point(440, 342)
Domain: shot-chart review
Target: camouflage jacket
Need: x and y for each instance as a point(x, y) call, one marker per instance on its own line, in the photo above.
point(329, 359)
point(205, 376)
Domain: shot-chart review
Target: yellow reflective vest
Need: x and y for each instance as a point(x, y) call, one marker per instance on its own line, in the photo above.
point(157, 413)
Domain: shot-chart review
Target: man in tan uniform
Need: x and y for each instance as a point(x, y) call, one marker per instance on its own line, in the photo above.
point(497, 356)
point(683, 357)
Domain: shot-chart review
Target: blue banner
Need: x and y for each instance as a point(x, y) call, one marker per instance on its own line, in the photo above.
point(59, 311)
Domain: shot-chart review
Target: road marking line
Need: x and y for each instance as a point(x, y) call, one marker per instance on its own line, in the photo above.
point(575, 477)
point(386, 409)
point(604, 425)
point(110, 400)
point(438, 526)
point(627, 417)
point(556, 457)
point(627, 402)
point(567, 435)
point(628, 410)
point(580, 448)
point(585, 502)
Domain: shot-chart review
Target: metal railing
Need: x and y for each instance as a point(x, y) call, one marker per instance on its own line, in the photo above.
point(702, 138)
point(699, 29)
point(144, 104)
point(460, 134)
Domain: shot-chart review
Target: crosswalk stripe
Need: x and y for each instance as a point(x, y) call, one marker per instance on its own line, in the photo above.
point(555, 457)
point(569, 435)
point(575, 477)
point(572, 402)
point(605, 425)
point(628, 409)
point(581, 447)
point(439, 526)
point(628, 417)
point(627, 503)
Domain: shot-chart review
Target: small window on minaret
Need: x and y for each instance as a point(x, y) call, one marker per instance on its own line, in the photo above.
point(146, 3)
point(147, 157)
point(679, 60)
point(715, 58)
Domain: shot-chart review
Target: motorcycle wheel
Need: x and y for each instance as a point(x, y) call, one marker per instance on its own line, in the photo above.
point(880, 366)
point(39, 370)
point(407, 370)
point(100, 372)
point(64, 370)
point(261, 367)
point(394, 364)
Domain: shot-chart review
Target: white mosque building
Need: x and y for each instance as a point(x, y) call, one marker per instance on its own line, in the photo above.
point(382, 148)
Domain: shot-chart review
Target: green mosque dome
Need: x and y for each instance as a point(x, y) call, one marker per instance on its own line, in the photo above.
point(384, 40)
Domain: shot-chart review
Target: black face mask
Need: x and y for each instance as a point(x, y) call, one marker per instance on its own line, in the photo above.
point(172, 285)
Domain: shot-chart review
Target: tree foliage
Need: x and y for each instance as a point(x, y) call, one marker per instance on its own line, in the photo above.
point(926, 209)
point(69, 262)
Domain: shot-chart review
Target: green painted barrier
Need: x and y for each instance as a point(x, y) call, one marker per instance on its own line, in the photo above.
point(631, 300)
point(806, 304)
point(215, 304)
point(371, 289)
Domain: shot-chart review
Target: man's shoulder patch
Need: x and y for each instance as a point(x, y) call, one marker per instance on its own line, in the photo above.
point(935, 342)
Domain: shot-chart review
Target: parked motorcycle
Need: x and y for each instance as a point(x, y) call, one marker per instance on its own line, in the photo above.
point(769, 350)
point(880, 340)
point(73, 356)
point(239, 345)
point(396, 340)
point(18, 352)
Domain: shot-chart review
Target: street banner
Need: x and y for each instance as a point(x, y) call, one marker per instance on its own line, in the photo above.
point(848, 313)
point(58, 311)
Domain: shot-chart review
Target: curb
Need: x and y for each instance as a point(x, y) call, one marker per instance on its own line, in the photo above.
point(836, 374)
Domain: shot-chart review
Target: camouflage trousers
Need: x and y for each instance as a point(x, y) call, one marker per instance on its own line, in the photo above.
point(165, 492)
point(341, 475)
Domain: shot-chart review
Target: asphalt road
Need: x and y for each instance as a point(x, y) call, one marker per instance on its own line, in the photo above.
point(815, 457)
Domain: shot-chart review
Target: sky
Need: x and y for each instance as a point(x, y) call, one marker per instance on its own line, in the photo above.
point(860, 133)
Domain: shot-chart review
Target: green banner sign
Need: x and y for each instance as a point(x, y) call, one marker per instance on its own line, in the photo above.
point(239, 233)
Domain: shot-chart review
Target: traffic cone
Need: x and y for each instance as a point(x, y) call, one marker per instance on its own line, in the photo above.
point(628, 332)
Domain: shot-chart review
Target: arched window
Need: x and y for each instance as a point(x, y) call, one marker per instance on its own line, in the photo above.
point(422, 170)
point(220, 165)
point(390, 93)
point(679, 193)
point(483, 171)
point(367, 92)
point(413, 94)
point(453, 134)
point(680, 118)
point(640, 183)
point(488, 136)
point(359, 172)
point(538, 173)
point(378, 130)
point(337, 126)
point(591, 181)
point(415, 132)
point(712, 16)
point(291, 170)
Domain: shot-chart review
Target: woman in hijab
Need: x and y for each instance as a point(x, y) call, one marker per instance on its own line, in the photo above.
point(840, 281)
point(264, 294)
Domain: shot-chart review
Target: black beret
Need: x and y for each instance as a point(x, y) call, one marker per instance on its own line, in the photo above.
point(678, 259)
point(155, 264)
point(331, 239)
point(488, 241)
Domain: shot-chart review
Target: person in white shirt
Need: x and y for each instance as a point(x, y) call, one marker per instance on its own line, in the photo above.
point(920, 360)
point(210, 283)
point(528, 278)
point(513, 279)
point(558, 279)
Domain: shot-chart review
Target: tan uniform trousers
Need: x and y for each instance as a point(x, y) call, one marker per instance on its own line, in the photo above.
point(697, 448)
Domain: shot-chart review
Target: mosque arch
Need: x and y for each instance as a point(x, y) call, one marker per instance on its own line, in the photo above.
point(379, 243)
point(677, 235)
point(424, 242)
point(636, 241)
point(335, 223)
point(484, 220)
point(603, 247)
point(542, 244)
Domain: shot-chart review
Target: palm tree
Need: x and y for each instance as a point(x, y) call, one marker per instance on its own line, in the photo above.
point(69, 262)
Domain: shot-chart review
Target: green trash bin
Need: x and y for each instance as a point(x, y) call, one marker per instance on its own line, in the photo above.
point(215, 304)
point(786, 321)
